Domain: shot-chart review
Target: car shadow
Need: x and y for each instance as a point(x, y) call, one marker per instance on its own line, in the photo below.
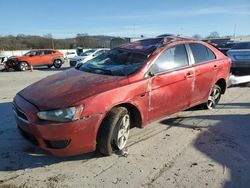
point(16, 153)
point(51, 69)
point(234, 105)
point(38, 69)
point(223, 138)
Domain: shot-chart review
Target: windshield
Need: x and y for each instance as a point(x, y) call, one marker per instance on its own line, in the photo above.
point(243, 45)
point(117, 62)
point(30, 53)
point(87, 53)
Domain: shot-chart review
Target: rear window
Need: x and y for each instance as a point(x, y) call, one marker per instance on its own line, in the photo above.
point(241, 46)
point(201, 53)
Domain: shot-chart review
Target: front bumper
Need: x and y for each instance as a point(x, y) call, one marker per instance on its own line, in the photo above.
point(11, 63)
point(58, 139)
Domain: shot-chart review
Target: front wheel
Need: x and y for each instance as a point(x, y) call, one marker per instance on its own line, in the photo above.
point(213, 98)
point(114, 131)
point(57, 63)
point(23, 66)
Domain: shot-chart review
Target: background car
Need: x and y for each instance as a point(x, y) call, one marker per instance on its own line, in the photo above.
point(69, 55)
point(240, 55)
point(87, 55)
point(2, 59)
point(93, 106)
point(35, 58)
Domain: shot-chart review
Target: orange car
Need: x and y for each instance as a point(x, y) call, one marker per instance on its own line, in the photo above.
point(43, 57)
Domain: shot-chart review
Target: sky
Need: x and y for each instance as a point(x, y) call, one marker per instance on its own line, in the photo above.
point(125, 18)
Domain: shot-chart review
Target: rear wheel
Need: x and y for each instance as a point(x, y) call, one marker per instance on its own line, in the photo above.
point(23, 66)
point(57, 63)
point(213, 98)
point(114, 132)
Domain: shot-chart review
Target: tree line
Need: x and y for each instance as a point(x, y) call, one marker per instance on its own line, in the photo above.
point(26, 42)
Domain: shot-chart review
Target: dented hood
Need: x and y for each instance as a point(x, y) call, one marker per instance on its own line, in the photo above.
point(66, 88)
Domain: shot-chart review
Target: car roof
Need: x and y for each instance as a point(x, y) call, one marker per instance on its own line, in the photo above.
point(153, 43)
point(43, 49)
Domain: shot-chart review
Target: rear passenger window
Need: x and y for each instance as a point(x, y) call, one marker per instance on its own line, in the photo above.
point(201, 53)
point(47, 52)
point(211, 54)
point(175, 57)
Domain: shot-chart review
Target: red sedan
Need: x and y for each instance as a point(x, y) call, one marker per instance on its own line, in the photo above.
point(94, 105)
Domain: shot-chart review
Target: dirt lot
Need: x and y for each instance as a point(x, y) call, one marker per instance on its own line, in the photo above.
point(195, 148)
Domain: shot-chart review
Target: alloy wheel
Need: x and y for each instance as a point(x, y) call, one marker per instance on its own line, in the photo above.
point(57, 63)
point(24, 66)
point(214, 98)
point(123, 132)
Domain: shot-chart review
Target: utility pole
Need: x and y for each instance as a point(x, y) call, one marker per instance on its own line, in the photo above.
point(133, 30)
point(234, 30)
point(52, 41)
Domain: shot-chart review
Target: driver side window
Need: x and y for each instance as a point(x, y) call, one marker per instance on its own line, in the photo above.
point(39, 53)
point(175, 57)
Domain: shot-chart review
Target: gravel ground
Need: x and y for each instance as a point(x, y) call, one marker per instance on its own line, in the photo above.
point(194, 148)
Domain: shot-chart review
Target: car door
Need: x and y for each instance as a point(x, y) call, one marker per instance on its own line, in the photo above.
point(170, 89)
point(205, 67)
point(47, 57)
point(36, 57)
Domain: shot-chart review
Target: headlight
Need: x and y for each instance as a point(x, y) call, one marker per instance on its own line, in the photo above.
point(62, 115)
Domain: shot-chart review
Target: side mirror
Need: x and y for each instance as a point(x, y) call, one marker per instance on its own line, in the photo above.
point(150, 74)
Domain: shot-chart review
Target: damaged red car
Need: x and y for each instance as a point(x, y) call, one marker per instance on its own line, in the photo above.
point(94, 105)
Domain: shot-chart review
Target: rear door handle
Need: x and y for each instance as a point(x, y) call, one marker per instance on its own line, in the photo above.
point(189, 75)
point(215, 67)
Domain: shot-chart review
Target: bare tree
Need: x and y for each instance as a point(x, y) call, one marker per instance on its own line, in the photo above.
point(197, 36)
point(213, 35)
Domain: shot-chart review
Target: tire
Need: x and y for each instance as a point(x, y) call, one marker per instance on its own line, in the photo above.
point(23, 66)
point(114, 131)
point(213, 98)
point(57, 63)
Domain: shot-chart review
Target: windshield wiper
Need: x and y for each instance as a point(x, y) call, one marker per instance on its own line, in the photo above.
point(102, 69)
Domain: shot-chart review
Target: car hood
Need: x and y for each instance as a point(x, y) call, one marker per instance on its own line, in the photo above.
point(14, 57)
point(19, 58)
point(69, 87)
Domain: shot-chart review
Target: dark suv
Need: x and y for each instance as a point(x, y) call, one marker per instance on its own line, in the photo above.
point(43, 57)
point(240, 55)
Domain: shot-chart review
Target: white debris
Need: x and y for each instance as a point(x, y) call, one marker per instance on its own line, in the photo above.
point(238, 79)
